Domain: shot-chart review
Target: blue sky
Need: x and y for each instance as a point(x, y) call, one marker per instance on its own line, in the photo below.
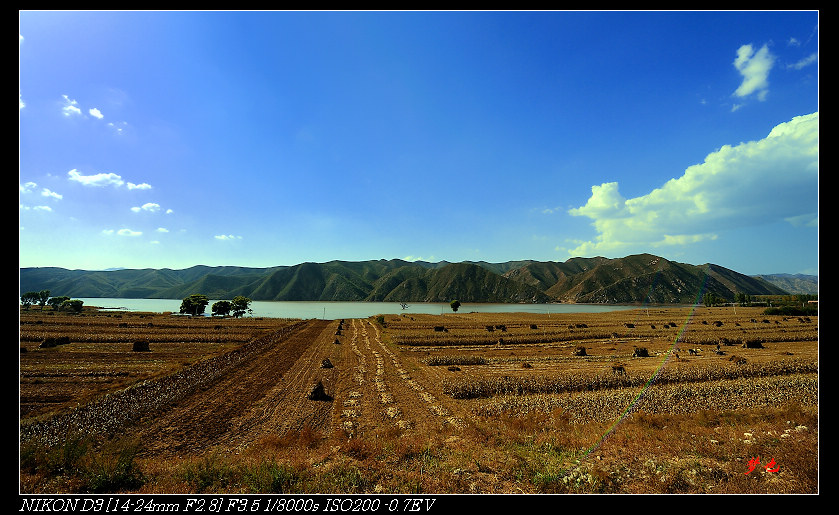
point(172, 139)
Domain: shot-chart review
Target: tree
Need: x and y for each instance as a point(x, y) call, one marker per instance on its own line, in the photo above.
point(710, 298)
point(194, 304)
point(43, 297)
point(55, 302)
point(222, 308)
point(455, 305)
point(29, 298)
point(240, 306)
point(73, 305)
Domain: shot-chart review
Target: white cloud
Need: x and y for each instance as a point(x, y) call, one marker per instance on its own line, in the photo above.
point(105, 179)
point(765, 181)
point(96, 113)
point(754, 66)
point(803, 63)
point(227, 237)
point(48, 193)
point(42, 208)
point(148, 206)
point(162, 229)
point(429, 259)
point(99, 179)
point(70, 107)
point(119, 126)
point(121, 232)
point(27, 187)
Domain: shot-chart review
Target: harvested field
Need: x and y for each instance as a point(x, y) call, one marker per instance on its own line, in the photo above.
point(454, 403)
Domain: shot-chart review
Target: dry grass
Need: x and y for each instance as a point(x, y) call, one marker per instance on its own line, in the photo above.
point(465, 410)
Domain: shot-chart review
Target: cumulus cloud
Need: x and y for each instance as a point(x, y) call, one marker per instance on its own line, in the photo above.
point(35, 208)
point(148, 206)
point(429, 259)
point(105, 179)
point(27, 187)
point(98, 180)
point(49, 193)
point(227, 237)
point(96, 113)
point(765, 181)
point(754, 66)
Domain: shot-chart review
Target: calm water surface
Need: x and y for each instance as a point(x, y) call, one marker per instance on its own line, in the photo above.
point(338, 310)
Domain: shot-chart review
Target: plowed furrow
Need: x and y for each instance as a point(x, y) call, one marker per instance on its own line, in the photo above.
point(210, 416)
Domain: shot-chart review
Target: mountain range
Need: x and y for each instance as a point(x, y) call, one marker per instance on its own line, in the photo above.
point(641, 278)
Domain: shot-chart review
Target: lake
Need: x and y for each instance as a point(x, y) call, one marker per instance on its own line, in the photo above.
point(339, 310)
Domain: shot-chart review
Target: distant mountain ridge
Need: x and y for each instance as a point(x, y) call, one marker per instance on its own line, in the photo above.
point(632, 279)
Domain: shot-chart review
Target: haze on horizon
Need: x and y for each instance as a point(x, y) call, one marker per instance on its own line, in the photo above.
point(159, 139)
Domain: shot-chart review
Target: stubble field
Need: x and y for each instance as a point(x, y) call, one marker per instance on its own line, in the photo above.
point(675, 400)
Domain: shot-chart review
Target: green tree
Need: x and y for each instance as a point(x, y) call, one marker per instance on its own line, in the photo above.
point(72, 305)
point(240, 306)
point(222, 308)
point(195, 304)
point(455, 304)
point(29, 298)
point(55, 302)
point(43, 297)
point(710, 298)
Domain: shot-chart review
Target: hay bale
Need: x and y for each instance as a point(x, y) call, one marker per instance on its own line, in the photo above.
point(580, 351)
point(326, 363)
point(318, 393)
point(54, 341)
point(140, 346)
point(640, 352)
point(739, 360)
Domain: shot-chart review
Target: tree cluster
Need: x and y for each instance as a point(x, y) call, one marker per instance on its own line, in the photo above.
point(196, 303)
point(42, 298)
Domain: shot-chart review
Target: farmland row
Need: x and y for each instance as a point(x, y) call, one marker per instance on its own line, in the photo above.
point(140, 403)
point(673, 398)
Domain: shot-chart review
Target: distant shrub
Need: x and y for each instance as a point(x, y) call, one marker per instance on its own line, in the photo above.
point(792, 311)
point(54, 341)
